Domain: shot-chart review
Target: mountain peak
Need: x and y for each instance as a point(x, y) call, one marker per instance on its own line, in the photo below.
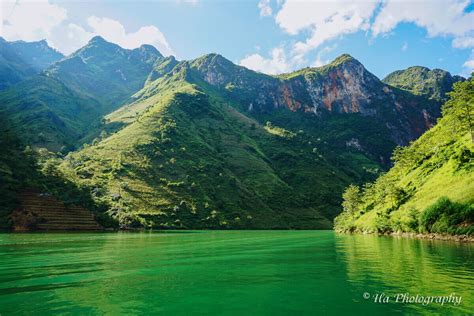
point(149, 50)
point(97, 39)
point(432, 83)
point(342, 59)
point(213, 60)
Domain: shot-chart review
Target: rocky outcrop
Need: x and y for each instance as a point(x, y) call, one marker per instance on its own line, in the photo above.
point(344, 86)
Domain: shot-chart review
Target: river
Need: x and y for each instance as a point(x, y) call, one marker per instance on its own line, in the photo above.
point(233, 273)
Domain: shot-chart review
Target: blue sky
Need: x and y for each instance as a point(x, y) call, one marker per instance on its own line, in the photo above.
point(271, 36)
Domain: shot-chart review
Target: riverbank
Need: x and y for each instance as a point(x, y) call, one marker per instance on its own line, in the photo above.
point(432, 236)
point(460, 238)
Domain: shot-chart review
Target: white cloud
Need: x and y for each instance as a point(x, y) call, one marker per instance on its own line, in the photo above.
point(320, 21)
point(275, 64)
point(439, 18)
point(279, 61)
point(265, 9)
point(404, 46)
point(469, 65)
point(114, 31)
point(38, 19)
point(323, 20)
point(463, 42)
point(319, 61)
point(30, 20)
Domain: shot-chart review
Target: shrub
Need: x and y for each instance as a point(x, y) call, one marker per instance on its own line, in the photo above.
point(445, 216)
point(383, 223)
point(413, 221)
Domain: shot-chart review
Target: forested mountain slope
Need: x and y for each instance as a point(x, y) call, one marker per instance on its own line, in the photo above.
point(19, 60)
point(209, 144)
point(434, 84)
point(431, 186)
point(206, 143)
point(63, 107)
point(106, 71)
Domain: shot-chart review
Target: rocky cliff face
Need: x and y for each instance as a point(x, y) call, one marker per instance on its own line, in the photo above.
point(344, 86)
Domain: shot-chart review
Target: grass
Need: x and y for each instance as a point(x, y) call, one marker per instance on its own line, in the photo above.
point(429, 189)
point(189, 159)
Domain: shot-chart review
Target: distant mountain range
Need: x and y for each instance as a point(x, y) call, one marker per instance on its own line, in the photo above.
point(206, 143)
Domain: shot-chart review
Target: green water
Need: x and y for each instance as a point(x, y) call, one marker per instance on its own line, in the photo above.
point(229, 273)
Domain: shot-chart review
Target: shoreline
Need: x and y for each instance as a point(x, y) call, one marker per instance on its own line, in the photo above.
point(435, 236)
point(430, 236)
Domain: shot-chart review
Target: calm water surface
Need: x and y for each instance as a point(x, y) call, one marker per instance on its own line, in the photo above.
point(230, 273)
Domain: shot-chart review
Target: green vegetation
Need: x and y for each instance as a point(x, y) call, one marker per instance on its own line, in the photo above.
point(434, 84)
point(36, 54)
point(318, 71)
point(191, 161)
point(47, 114)
point(430, 188)
point(188, 158)
point(205, 143)
point(105, 71)
point(22, 168)
point(62, 108)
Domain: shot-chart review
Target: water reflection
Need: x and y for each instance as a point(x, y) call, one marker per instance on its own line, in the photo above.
point(228, 273)
point(410, 266)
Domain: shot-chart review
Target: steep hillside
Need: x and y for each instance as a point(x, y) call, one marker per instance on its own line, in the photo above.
point(19, 60)
point(344, 86)
point(22, 168)
point(431, 186)
point(323, 95)
point(106, 71)
point(38, 55)
point(13, 68)
point(48, 114)
point(209, 144)
point(62, 108)
point(191, 159)
point(433, 84)
point(195, 154)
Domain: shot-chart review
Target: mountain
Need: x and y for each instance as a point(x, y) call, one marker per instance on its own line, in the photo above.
point(206, 143)
point(106, 71)
point(191, 160)
point(62, 107)
point(48, 114)
point(430, 189)
point(209, 144)
point(22, 168)
point(342, 87)
point(13, 68)
point(433, 84)
point(19, 60)
point(38, 55)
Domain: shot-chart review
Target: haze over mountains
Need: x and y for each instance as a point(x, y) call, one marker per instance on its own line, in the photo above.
point(206, 143)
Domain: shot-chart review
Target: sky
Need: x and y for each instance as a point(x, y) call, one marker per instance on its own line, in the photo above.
point(270, 36)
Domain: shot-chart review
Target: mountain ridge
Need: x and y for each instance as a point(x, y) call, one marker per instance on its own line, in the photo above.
point(433, 83)
point(205, 143)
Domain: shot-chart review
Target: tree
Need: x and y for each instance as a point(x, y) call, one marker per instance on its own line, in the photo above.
point(352, 199)
point(460, 106)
